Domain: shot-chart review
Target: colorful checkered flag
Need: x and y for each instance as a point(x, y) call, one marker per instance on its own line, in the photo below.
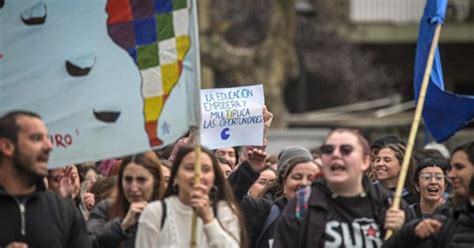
point(155, 33)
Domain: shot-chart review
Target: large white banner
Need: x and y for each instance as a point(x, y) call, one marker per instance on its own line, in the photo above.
point(110, 78)
point(232, 116)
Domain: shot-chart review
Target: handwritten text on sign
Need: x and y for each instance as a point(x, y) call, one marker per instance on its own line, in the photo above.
point(232, 116)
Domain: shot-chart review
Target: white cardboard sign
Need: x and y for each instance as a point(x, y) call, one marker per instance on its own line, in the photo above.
point(232, 116)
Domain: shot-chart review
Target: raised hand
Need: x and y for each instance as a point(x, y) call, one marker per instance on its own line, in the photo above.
point(394, 219)
point(180, 143)
point(89, 200)
point(427, 228)
point(267, 118)
point(256, 159)
point(136, 208)
point(201, 204)
point(67, 188)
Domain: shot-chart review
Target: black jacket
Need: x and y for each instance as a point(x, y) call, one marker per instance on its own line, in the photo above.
point(242, 179)
point(42, 219)
point(268, 227)
point(441, 210)
point(255, 210)
point(108, 233)
point(456, 231)
point(309, 230)
point(409, 197)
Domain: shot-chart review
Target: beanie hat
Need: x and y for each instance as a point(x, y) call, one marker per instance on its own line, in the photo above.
point(439, 147)
point(291, 152)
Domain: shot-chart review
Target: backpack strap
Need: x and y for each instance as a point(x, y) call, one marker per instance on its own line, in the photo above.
point(274, 214)
point(163, 213)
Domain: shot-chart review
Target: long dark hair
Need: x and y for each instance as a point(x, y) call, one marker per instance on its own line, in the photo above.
point(221, 192)
point(467, 148)
point(121, 204)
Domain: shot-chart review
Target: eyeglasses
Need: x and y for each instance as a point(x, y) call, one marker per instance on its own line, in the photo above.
point(344, 149)
point(427, 176)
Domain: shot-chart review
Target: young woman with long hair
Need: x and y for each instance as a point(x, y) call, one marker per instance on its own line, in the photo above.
point(167, 223)
point(114, 221)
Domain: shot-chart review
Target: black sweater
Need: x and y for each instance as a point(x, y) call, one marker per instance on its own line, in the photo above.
point(108, 232)
point(255, 210)
point(42, 219)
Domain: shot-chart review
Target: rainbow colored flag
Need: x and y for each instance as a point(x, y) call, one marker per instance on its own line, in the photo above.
point(156, 36)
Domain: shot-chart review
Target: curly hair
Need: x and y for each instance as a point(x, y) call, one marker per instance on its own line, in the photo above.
point(399, 150)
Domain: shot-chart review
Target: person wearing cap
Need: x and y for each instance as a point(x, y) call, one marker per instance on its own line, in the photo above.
point(286, 158)
point(296, 168)
point(438, 147)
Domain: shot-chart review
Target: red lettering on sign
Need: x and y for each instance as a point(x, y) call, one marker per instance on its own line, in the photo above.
point(63, 140)
point(58, 140)
point(68, 139)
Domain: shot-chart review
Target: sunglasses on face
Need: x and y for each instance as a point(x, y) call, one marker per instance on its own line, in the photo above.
point(427, 176)
point(344, 149)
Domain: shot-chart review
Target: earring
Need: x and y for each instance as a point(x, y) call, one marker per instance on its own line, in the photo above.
point(175, 188)
point(214, 189)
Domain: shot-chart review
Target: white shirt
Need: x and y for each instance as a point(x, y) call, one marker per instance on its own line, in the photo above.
point(176, 231)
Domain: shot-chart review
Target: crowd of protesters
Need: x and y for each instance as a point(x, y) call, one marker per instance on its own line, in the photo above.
point(338, 195)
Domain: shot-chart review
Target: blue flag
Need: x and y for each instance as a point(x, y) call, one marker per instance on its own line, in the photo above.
point(444, 113)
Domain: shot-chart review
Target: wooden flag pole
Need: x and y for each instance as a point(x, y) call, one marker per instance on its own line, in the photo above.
point(414, 125)
point(197, 179)
point(196, 130)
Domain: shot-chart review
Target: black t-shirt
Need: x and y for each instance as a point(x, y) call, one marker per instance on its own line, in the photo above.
point(351, 223)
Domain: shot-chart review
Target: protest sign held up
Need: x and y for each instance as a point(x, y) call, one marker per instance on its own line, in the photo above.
point(230, 115)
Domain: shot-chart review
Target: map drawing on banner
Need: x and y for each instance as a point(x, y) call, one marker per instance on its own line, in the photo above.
point(108, 77)
point(232, 116)
point(157, 39)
